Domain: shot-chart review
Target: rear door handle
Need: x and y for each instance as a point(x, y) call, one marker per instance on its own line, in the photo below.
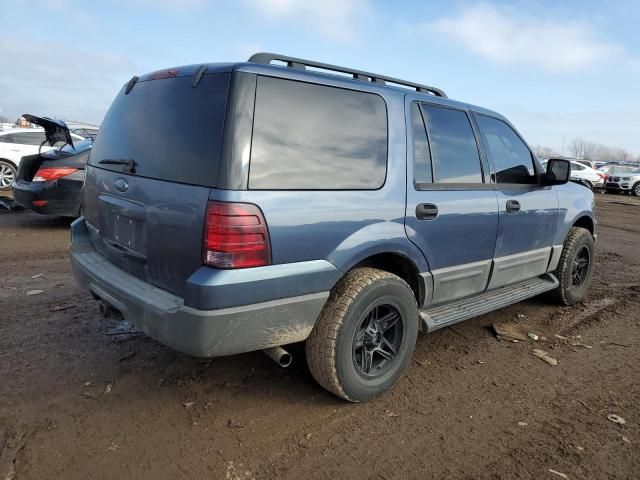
point(426, 211)
point(513, 206)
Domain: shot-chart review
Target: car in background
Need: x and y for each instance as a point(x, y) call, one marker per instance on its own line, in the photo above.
point(16, 143)
point(628, 182)
point(587, 163)
point(587, 176)
point(52, 182)
point(592, 177)
point(611, 169)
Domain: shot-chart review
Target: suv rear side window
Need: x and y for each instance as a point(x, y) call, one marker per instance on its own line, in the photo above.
point(170, 129)
point(511, 158)
point(454, 152)
point(314, 137)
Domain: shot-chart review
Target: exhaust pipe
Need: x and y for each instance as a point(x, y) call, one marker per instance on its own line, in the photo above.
point(279, 355)
point(107, 311)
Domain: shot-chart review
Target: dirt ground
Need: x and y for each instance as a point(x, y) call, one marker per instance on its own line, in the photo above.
point(77, 401)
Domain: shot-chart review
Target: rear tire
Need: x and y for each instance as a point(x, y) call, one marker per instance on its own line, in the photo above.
point(365, 336)
point(8, 174)
point(575, 267)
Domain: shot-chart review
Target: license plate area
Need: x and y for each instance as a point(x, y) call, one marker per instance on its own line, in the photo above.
point(127, 232)
point(124, 225)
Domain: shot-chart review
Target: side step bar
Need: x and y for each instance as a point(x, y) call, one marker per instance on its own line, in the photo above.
point(485, 302)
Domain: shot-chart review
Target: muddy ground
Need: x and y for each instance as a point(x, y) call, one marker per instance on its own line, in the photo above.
point(78, 402)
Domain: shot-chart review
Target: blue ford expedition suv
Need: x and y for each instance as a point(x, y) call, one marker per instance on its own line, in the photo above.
point(248, 206)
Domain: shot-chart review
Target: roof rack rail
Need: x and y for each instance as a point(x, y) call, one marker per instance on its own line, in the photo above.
point(300, 63)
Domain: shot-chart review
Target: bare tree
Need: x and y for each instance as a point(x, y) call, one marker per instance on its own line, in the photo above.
point(587, 150)
point(578, 147)
point(544, 152)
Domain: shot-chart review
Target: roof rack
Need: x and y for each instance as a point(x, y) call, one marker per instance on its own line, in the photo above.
point(292, 62)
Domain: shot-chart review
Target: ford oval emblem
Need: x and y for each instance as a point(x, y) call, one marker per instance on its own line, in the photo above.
point(121, 185)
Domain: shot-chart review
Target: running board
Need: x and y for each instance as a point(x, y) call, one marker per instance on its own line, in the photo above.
point(485, 302)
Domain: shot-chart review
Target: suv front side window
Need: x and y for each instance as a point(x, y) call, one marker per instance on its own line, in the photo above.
point(454, 151)
point(511, 158)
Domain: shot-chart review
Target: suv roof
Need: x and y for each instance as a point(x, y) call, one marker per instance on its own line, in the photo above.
point(298, 68)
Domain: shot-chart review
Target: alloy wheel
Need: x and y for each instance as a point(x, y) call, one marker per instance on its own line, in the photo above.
point(7, 175)
point(580, 268)
point(377, 340)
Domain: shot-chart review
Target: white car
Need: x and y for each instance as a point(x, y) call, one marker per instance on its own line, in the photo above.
point(17, 143)
point(592, 177)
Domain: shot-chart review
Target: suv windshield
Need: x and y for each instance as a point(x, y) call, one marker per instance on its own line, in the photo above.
point(171, 130)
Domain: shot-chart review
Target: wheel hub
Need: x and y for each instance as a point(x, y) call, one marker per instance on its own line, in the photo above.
point(6, 176)
point(377, 340)
point(580, 267)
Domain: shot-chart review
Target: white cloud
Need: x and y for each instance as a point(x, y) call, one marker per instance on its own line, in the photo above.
point(333, 19)
point(63, 82)
point(511, 36)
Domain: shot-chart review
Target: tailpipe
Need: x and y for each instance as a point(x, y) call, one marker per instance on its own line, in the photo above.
point(279, 355)
point(108, 311)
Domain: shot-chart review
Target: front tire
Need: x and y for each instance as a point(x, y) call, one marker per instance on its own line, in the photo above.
point(575, 267)
point(365, 336)
point(635, 191)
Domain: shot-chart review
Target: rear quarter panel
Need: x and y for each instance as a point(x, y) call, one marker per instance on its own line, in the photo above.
point(343, 227)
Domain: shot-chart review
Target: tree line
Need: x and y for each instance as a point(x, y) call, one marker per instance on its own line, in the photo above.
point(588, 150)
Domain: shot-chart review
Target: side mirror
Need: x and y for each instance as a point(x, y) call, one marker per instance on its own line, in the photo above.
point(558, 172)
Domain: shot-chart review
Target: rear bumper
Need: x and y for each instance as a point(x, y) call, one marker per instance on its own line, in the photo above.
point(63, 197)
point(201, 333)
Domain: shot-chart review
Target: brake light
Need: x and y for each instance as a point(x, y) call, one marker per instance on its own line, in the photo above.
point(47, 174)
point(236, 236)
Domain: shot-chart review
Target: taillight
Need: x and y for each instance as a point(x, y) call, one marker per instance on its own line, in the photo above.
point(236, 236)
point(46, 174)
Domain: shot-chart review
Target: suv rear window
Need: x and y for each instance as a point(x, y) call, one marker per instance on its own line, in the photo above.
point(314, 137)
point(171, 130)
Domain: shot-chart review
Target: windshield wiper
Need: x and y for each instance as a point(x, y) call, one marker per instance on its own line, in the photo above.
point(129, 163)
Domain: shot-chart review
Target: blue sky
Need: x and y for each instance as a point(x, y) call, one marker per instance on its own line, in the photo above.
point(557, 71)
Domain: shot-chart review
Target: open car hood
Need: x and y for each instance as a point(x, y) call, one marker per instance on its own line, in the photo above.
point(55, 130)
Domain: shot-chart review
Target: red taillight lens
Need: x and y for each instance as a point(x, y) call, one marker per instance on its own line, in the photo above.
point(46, 174)
point(236, 236)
